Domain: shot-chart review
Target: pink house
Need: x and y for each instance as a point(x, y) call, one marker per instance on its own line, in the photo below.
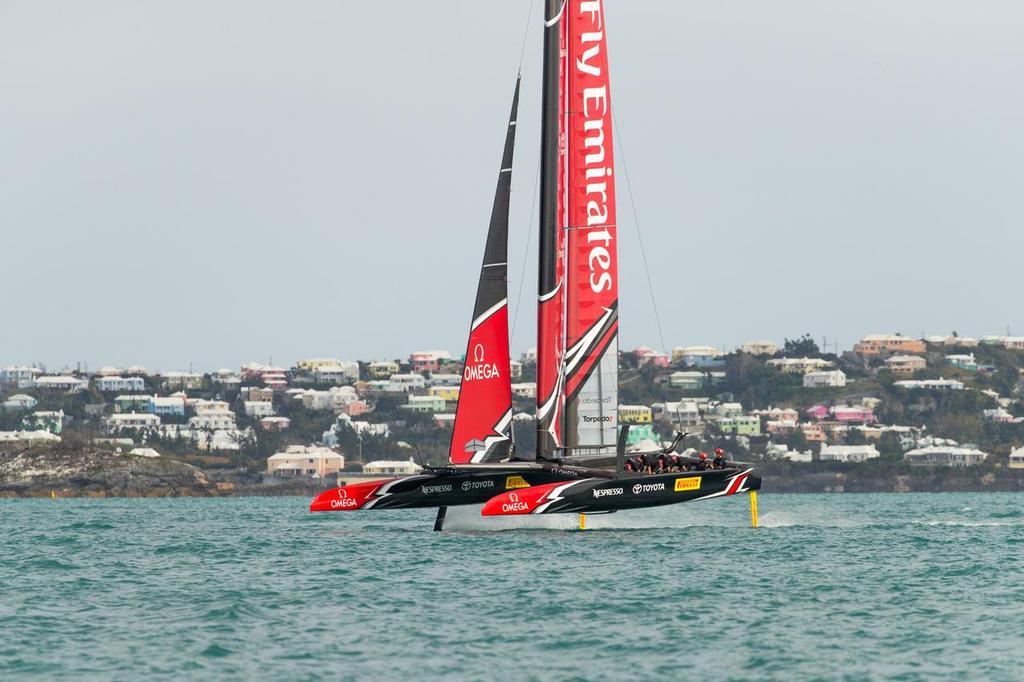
point(853, 414)
point(818, 412)
point(649, 356)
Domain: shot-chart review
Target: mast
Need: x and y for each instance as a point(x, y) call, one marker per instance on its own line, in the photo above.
point(550, 290)
point(483, 418)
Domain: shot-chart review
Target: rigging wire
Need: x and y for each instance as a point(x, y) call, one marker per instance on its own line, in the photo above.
point(526, 252)
point(636, 224)
point(526, 34)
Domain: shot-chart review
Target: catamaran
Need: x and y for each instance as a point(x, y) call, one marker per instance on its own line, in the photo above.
point(577, 466)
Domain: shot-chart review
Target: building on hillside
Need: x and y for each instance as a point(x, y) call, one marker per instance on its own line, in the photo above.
point(257, 394)
point(639, 433)
point(852, 414)
point(447, 393)
point(45, 420)
point(425, 404)
point(515, 369)
point(963, 362)
point(30, 438)
point(684, 414)
point(945, 455)
point(782, 451)
point(798, 365)
point(526, 389)
point(848, 453)
point(931, 384)
point(384, 467)
point(258, 409)
point(132, 403)
point(529, 356)
point(132, 422)
point(428, 361)
point(382, 369)
point(20, 401)
point(226, 379)
point(953, 341)
point(759, 348)
point(635, 414)
point(1013, 342)
point(741, 425)
point(406, 383)
point(170, 406)
point(210, 406)
point(120, 384)
point(779, 414)
point(719, 410)
point(905, 365)
point(1017, 458)
point(648, 356)
point(780, 427)
point(275, 423)
point(182, 381)
point(998, 415)
point(305, 460)
point(701, 357)
point(814, 433)
point(338, 373)
point(835, 378)
point(694, 380)
point(19, 377)
point(214, 421)
point(62, 382)
point(317, 400)
point(445, 420)
point(439, 379)
point(874, 344)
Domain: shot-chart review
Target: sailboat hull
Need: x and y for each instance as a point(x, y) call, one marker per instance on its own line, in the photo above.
point(596, 495)
point(449, 486)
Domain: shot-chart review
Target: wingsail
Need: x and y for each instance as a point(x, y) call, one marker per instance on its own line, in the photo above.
point(483, 419)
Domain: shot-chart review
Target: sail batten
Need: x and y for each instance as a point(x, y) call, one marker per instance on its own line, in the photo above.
point(483, 419)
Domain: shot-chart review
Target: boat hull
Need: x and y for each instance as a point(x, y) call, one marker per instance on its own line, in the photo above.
point(595, 495)
point(447, 487)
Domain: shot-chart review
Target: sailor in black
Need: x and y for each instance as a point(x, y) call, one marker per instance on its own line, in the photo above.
point(702, 462)
point(719, 461)
point(650, 463)
point(629, 465)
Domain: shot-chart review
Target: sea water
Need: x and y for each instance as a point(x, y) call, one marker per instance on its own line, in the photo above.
point(829, 587)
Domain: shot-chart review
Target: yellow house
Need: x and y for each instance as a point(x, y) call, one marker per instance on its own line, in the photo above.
point(449, 393)
point(635, 414)
point(383, 370)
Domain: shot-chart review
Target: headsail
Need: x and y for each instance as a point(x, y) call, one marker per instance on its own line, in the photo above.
point(483, 420)
point(592, 286)
point(551, 282)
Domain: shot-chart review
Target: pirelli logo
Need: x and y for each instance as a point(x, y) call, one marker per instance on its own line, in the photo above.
point(689, 483)
point(513, 482)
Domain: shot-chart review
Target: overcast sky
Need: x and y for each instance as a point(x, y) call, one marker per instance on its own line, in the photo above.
point(210, 183)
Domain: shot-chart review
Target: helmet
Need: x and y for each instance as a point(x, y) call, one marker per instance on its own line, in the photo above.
point(719, 451)
point(703, 455)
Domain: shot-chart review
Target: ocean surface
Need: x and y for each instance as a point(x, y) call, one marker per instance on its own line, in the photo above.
point(829, 587)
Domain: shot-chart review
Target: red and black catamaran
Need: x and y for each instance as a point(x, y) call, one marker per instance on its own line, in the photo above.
point(577, 464)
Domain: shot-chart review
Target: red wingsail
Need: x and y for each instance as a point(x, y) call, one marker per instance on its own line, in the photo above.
point(592, 281)
point(483, 419)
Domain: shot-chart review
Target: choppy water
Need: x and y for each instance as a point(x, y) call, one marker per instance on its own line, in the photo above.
point(835, 587)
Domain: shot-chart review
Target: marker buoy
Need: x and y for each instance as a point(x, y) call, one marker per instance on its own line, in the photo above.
point(753, 509)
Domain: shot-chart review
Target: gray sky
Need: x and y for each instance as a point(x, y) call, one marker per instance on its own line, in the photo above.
point(221, 182)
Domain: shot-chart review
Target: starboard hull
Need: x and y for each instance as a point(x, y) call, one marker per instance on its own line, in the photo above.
point(448, 487)
point(597, 495)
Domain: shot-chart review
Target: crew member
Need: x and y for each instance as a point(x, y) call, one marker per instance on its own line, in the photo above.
point(662, 463)
point(650, 463)
point(719, 461)
point(702, 462)
point(629, 465)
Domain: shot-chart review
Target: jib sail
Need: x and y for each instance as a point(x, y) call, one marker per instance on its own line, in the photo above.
point(483, 419)
point(592, 281)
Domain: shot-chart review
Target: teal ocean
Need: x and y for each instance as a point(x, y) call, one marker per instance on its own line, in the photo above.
point(830, 587)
